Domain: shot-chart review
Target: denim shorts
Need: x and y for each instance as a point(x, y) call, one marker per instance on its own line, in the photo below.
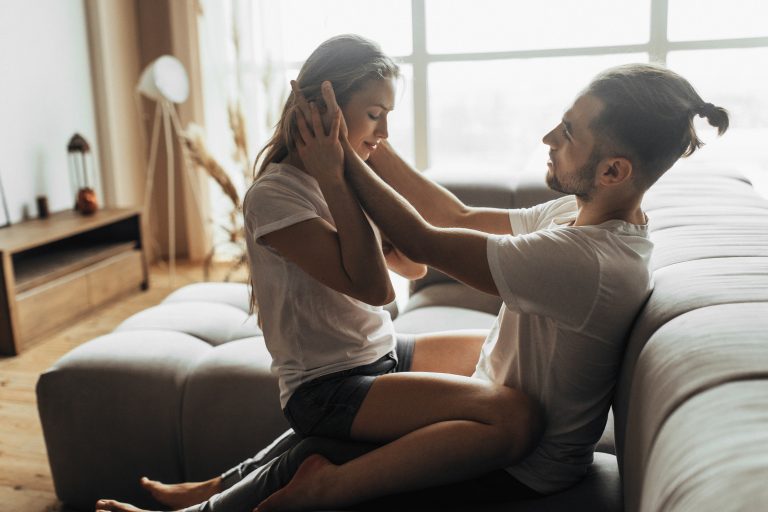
point(327, 405)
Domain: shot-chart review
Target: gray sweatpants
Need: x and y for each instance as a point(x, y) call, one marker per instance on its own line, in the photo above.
point(255, 479)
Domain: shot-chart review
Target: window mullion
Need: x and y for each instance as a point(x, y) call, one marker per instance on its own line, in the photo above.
point(420, 102)
point(659, 43)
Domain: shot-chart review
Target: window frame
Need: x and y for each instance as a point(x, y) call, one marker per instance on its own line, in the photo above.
point(657, 47)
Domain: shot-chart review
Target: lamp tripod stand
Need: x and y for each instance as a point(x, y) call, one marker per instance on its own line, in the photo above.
point(163, 110)
point(165, 81)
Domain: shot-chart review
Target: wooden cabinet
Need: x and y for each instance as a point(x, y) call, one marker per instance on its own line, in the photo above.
point(56, 269)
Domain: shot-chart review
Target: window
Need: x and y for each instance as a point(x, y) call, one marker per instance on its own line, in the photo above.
point(485, 79)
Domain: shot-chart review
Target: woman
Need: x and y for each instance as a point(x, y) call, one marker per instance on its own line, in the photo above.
point(319, 277)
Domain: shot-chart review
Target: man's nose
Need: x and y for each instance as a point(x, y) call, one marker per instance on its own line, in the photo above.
point(549, 138)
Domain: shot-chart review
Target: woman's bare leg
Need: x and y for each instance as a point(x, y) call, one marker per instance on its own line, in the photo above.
point(442, 428)
point(436, 454)
point(454, 352)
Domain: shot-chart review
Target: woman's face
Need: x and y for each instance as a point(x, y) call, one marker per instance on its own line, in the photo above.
point(366, 115)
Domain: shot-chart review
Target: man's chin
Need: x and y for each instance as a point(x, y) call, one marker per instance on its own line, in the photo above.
point(552, 181)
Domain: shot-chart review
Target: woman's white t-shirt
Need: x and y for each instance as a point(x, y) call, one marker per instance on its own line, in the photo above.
point(309, 329)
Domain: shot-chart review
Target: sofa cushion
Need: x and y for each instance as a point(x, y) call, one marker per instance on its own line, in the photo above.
point(442, 318)
point(454, 294)
point(688, 243)
point(679, 289)
point(110, 410)
point(234, 294)
point(213, 322)
point(712, 453)
point(599, 491)
point(231, 408)
point(689, 355)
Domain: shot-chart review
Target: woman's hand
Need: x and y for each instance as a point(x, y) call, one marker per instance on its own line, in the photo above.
point(320, 150)
point(329, 97)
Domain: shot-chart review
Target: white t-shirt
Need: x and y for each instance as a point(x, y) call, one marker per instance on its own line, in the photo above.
point(570, 297)
point(309, 329)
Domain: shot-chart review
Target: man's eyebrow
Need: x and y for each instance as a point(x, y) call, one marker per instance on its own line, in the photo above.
point(568, 126)
point(388, 109)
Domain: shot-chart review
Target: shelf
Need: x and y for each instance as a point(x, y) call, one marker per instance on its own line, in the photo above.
point(56, 269)
point(60, 225)
point(42, 268)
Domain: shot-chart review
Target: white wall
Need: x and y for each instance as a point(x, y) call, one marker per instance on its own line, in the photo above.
point(46, 95)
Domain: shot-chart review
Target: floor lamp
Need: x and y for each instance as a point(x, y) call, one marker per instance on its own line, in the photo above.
point(165, 81)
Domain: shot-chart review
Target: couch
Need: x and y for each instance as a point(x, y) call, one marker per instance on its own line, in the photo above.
point(182, 391)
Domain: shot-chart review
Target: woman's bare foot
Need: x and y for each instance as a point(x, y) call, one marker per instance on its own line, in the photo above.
point(116, 506)
point(182, 495)
point(309, 489)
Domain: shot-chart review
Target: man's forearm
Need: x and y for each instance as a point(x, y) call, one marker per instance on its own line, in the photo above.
point(435, 203)
point(394, 215)
point(460, 253)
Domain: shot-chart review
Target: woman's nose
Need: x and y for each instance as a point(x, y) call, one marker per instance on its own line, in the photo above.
point(381, 129)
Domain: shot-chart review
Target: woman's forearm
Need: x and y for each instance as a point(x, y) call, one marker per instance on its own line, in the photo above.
point(361, 255)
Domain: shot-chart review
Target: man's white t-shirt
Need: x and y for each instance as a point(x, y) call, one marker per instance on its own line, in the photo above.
point(309, 329)
point(570, 297)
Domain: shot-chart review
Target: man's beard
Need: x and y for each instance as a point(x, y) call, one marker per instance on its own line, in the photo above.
point(581, 183)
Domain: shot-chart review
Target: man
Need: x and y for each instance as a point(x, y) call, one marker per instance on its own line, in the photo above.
point(573, 274)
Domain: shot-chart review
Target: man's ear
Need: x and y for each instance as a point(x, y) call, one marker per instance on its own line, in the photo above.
point(615, 170)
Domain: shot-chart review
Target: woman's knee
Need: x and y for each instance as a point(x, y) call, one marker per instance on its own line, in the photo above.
point(338, 451)
point(521, 423)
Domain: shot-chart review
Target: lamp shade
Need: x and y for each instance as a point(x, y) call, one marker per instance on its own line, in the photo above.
point(165, 78)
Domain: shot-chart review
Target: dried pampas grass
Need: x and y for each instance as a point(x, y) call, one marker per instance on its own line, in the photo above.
point(239, 135)
point(201, 158)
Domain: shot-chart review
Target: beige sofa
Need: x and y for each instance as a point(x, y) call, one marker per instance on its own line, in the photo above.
point(182, 390)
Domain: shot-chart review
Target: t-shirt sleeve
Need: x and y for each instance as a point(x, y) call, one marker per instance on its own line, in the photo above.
point(271, 206)
point(552, 273)
point(528, 220)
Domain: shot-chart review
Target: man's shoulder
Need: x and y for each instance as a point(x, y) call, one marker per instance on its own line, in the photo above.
point(560, 207)
point(528, 220)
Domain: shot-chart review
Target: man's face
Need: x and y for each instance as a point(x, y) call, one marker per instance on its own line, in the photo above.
point(573, 156)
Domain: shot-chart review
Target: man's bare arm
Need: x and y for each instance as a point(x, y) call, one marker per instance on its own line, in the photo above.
point(460, 253)
point(435, 203)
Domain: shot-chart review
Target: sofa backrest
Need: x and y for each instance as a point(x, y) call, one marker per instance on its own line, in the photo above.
point(700, 340)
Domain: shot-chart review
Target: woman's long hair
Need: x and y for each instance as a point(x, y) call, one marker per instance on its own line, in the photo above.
point(348, 61)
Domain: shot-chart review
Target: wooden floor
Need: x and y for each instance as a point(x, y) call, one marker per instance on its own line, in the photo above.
point(25, 478)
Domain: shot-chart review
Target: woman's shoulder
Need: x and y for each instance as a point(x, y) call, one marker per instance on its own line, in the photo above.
point(280, 181)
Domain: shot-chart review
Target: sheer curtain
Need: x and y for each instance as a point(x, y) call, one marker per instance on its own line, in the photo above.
point(243, 68)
